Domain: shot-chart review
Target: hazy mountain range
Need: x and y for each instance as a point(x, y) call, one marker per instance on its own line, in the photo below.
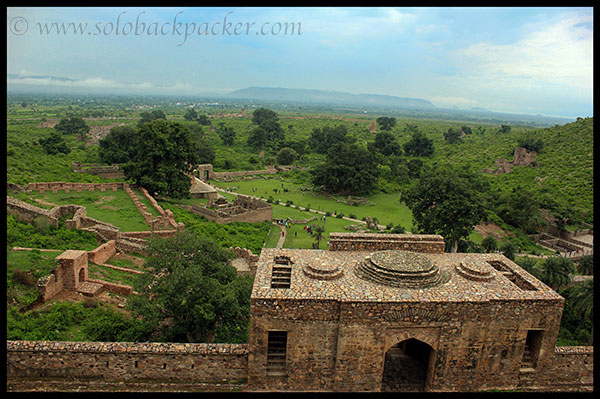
point(328, 97)
point(273, 96)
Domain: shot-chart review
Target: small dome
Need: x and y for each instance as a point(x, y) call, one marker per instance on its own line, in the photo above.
point(400, 269)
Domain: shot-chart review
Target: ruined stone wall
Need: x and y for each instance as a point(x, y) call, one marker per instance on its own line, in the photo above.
point(104, 171)
point(120, 361)
point(50, 285)
point(103, 252)
point(28, 212)
point(241, 173)
point(119, 289)
point(251, 216)
point(378, 242)
point(68, 187)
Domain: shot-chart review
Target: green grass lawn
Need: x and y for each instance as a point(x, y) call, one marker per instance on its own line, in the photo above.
point(114, 207)
point(111, 275)
point(385, 207)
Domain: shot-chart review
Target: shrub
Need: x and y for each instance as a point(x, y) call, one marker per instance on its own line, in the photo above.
point(24, 278)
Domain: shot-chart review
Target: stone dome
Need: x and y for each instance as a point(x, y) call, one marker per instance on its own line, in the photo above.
point(400, 269)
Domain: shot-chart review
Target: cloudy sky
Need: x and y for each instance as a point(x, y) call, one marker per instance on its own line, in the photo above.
point(520, 60)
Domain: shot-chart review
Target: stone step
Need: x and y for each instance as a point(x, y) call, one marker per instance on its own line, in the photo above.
point(88, 288)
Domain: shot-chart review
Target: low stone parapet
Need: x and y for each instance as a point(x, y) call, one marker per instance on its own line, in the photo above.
point(429, 243)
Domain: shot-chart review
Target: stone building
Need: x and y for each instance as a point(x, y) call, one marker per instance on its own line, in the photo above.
point(199, 189)
point(374, 312)
point(368, 315)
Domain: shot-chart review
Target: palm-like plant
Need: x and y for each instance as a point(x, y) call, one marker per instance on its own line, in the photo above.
point(508, 250)
point(582, 297)
point(489, 243)
point(529, 264)
point(318, 234)
point(557, 272)
point(586, 265)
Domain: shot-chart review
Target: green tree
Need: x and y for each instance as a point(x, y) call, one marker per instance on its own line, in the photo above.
point(349, 168)
point(531, 144)
point(321, 140)
point(582, 298)
point(151, 116)
point(386, 123)
point(164, 157)
point(203, 120)
point(190, 114)
point(386, 144)
point(318, 234)
point(466, 130)
point(74, 125)
point(448, 201)
point(118, 146)
point(258, 139)
point(509, 250)
point(452, 136)
point(530, 266)
point(227, 134)
point(585, 265)
point(54, 144)
point(557, 271)
point(504, 129)
point(286, 156)
point(520, 208)
point(191, 293)
point(419, 145)
point(489, 243)
point(261, 115)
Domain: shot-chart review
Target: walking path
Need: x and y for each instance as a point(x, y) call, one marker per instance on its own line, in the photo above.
point(281, 236)
point(379, 226)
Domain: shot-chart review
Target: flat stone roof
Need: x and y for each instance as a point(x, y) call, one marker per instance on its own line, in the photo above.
point(464, 280)
point(71, 254)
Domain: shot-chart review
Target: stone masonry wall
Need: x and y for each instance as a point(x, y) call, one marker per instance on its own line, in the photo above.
point(103, 252)
point(121, 361)
point(369, 242)
point(339, 346)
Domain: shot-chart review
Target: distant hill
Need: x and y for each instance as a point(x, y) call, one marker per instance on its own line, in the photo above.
point(328, 97)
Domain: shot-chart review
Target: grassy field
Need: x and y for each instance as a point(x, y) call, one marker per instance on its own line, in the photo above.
point(114, 207)
point(385, 207)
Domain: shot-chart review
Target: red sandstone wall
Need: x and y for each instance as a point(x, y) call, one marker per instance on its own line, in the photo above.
point(103, 252)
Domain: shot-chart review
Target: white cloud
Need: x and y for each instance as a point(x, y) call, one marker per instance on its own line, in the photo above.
point(559, 54)
point(334, 24)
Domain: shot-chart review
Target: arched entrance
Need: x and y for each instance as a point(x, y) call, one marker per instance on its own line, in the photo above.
point(81, 275)
point(406, 366)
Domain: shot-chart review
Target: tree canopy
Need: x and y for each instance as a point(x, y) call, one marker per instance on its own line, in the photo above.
point(191, 293)
point(386, 144)
point(419, 145)
point(448, 201)
point(321, 140)
point(349, 168)
point(162, 156)
point(54, 144)
point(118, 145)
point(151, 116)
point(261, 115)
point(386, 123)
point(74, 125)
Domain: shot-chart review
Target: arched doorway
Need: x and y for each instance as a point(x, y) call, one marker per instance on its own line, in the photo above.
point(81, 275)
point(406, 365)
